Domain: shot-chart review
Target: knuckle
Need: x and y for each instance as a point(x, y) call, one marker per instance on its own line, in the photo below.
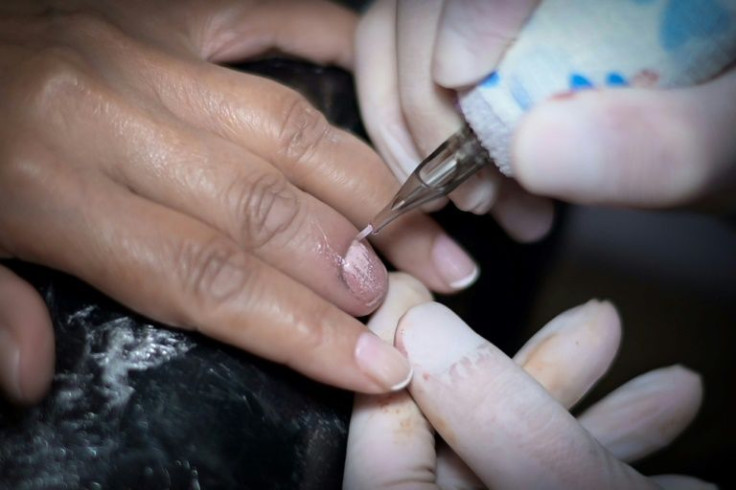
point(310, 336)
point(52, 79)
point(303, 129)
point(265, 210)
point(213, 273)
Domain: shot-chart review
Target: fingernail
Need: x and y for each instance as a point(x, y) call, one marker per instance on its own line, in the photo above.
point(456, 268)
point(364, 273)
point(10, 364)
point(382, 362)
point(433, 337)
point(557, 151)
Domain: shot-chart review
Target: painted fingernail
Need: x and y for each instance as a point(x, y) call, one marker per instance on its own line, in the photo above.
point(456, 268)
point(382, 362)
point(10, 364)
point(364, 273)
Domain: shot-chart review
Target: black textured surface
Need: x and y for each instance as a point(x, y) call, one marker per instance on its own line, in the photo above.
point(135, 405)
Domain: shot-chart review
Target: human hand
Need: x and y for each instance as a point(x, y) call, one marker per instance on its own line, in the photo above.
point(505, 422)
point(636, 147)
point(201, 197)
point(411, 56)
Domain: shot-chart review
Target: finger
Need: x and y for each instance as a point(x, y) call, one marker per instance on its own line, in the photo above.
point(567, 357)
point(390, 444)
point(573, 351)
point(637, 147)
point(376, 80)
point(319, 31)
point(179, 271)
point(472, 37)
point(327, 163)
point(496, 417)
point(253, 203)
point(479, 193)
point(681, 482)
point(646, 413)
point(525, 217)
point(428, 109)
point(26, 340)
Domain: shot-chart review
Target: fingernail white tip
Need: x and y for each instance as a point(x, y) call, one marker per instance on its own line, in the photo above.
point(467, 280)
point(405, 382)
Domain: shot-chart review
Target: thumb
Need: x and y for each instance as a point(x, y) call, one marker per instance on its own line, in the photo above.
point(644, 148)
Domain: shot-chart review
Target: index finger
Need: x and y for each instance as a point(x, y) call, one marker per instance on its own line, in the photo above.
point(501, 422)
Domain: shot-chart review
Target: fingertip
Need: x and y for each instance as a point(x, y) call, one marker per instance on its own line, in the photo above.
point(570, 354)
point(454, 265)
point(434, 337)
point(420, 247)
point(408, 287)
point(26, 341)
point(682, 482)
point(412, 319)
point(609, 320)
point(526, 218)
point(382, 363)
point(404, 291)
point(690, 384)
point(645, 414)
point(478, 194)
point(599, 316)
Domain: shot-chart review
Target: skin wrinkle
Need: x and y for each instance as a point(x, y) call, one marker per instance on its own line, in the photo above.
point(265, 209)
